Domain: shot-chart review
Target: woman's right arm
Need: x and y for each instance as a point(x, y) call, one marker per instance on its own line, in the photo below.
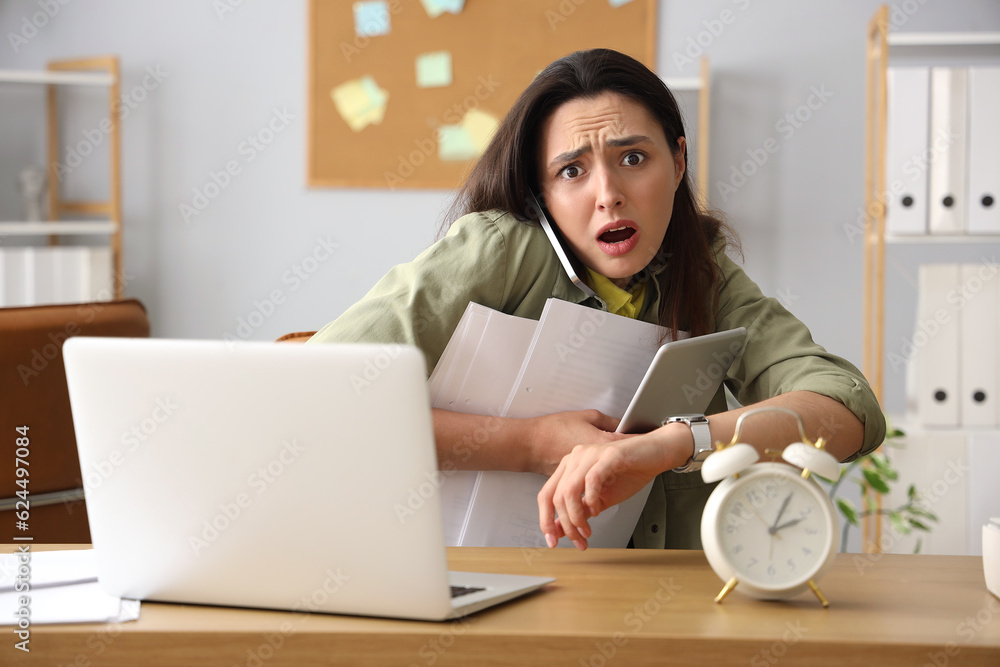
point(483, 442)
point(420, 303)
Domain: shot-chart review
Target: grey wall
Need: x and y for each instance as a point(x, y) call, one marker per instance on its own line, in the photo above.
point(221, 79)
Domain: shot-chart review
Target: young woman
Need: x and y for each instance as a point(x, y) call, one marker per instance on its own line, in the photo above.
point(599, 138)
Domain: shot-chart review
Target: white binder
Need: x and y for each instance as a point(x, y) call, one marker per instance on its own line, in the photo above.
point(19, 276)
point(908, 104)
point(101, 285)
point(978, 378)
point(984, 151)
point(47, 276)
point(936, 339)
point(949, 96)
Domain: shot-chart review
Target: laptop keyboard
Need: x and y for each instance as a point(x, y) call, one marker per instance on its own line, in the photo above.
point(458, 591)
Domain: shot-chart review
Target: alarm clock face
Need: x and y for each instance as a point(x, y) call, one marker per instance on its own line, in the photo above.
point(771, 529)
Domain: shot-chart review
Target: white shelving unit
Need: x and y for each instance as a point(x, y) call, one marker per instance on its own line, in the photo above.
point(925, 465)
point(103, 216)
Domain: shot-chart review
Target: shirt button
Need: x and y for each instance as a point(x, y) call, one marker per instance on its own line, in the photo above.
point(654, 528)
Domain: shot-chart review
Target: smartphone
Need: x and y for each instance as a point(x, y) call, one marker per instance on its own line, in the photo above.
point(574, 267)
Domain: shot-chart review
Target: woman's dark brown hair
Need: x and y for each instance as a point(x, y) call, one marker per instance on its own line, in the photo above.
point(507, 172)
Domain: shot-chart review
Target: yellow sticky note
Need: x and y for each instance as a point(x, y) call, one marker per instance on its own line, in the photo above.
point(468, 139)
point(436, 8)
point(360, 102)
point(434, 69)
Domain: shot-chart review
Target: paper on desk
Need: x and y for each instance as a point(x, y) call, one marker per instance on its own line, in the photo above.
point(63, 588)
point(575, 358)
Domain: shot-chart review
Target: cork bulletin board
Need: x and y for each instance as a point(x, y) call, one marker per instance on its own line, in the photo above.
point(399, 98)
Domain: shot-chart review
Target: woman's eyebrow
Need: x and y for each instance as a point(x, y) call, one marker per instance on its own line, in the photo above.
point(569, 156)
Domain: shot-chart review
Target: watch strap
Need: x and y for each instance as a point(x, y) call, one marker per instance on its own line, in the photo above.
point(702, 440)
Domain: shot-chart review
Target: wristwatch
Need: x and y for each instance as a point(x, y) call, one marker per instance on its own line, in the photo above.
point(702, 440)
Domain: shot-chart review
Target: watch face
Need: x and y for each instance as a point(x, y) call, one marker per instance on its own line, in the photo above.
point(773, 528)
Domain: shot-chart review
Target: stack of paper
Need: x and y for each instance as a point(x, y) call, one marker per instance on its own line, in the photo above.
point(573, 358)
point(61, 587)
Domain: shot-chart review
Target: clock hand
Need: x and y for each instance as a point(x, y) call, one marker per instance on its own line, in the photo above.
point(754, 510)
point(781, 511)
point(774, 530)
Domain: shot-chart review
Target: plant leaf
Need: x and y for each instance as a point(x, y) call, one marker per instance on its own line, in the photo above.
point(875, 481)
point(897, 521)
point(919, 526)
point(917, 510)
point(884, 466)
point(847, 509)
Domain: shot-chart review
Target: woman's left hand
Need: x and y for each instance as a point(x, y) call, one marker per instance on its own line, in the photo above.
point(592, 478)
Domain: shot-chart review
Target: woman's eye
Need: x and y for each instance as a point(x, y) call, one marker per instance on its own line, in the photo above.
point(633, 159)
point(572, 171)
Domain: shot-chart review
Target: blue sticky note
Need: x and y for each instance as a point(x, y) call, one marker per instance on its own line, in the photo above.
point(371, 18)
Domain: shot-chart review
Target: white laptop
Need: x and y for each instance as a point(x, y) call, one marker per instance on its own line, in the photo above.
point(298, 477)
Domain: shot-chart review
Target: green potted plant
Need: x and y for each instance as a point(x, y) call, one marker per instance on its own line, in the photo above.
point(874, 474)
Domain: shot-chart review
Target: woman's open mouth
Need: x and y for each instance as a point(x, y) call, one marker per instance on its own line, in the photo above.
point(618, 238)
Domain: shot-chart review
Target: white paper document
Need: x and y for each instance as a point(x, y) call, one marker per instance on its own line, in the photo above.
point(573, 358)
point(60, 587)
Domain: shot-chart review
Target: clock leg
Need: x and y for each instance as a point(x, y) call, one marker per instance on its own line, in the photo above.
point(730, 585)
point(818, 592)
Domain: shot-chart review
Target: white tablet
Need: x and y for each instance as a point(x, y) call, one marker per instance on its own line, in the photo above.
point(682, 379)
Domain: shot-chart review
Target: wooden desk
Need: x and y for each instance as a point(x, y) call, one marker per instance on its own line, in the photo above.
point(607, 607)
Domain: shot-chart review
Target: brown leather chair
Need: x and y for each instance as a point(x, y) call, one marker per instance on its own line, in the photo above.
point(33, 394)
point(297, 337)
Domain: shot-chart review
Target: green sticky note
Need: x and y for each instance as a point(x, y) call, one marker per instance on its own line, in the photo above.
point(467, 140)
point(434, 69)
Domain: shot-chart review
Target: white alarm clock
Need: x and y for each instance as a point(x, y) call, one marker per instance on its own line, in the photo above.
point(769, 528)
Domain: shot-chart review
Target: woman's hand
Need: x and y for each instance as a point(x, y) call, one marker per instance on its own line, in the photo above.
point(552, 437)
point(594, 477)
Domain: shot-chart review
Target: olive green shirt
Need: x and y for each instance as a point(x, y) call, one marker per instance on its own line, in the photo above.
point(494, 260)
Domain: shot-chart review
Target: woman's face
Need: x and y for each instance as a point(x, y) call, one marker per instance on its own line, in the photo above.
point(608, 178)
